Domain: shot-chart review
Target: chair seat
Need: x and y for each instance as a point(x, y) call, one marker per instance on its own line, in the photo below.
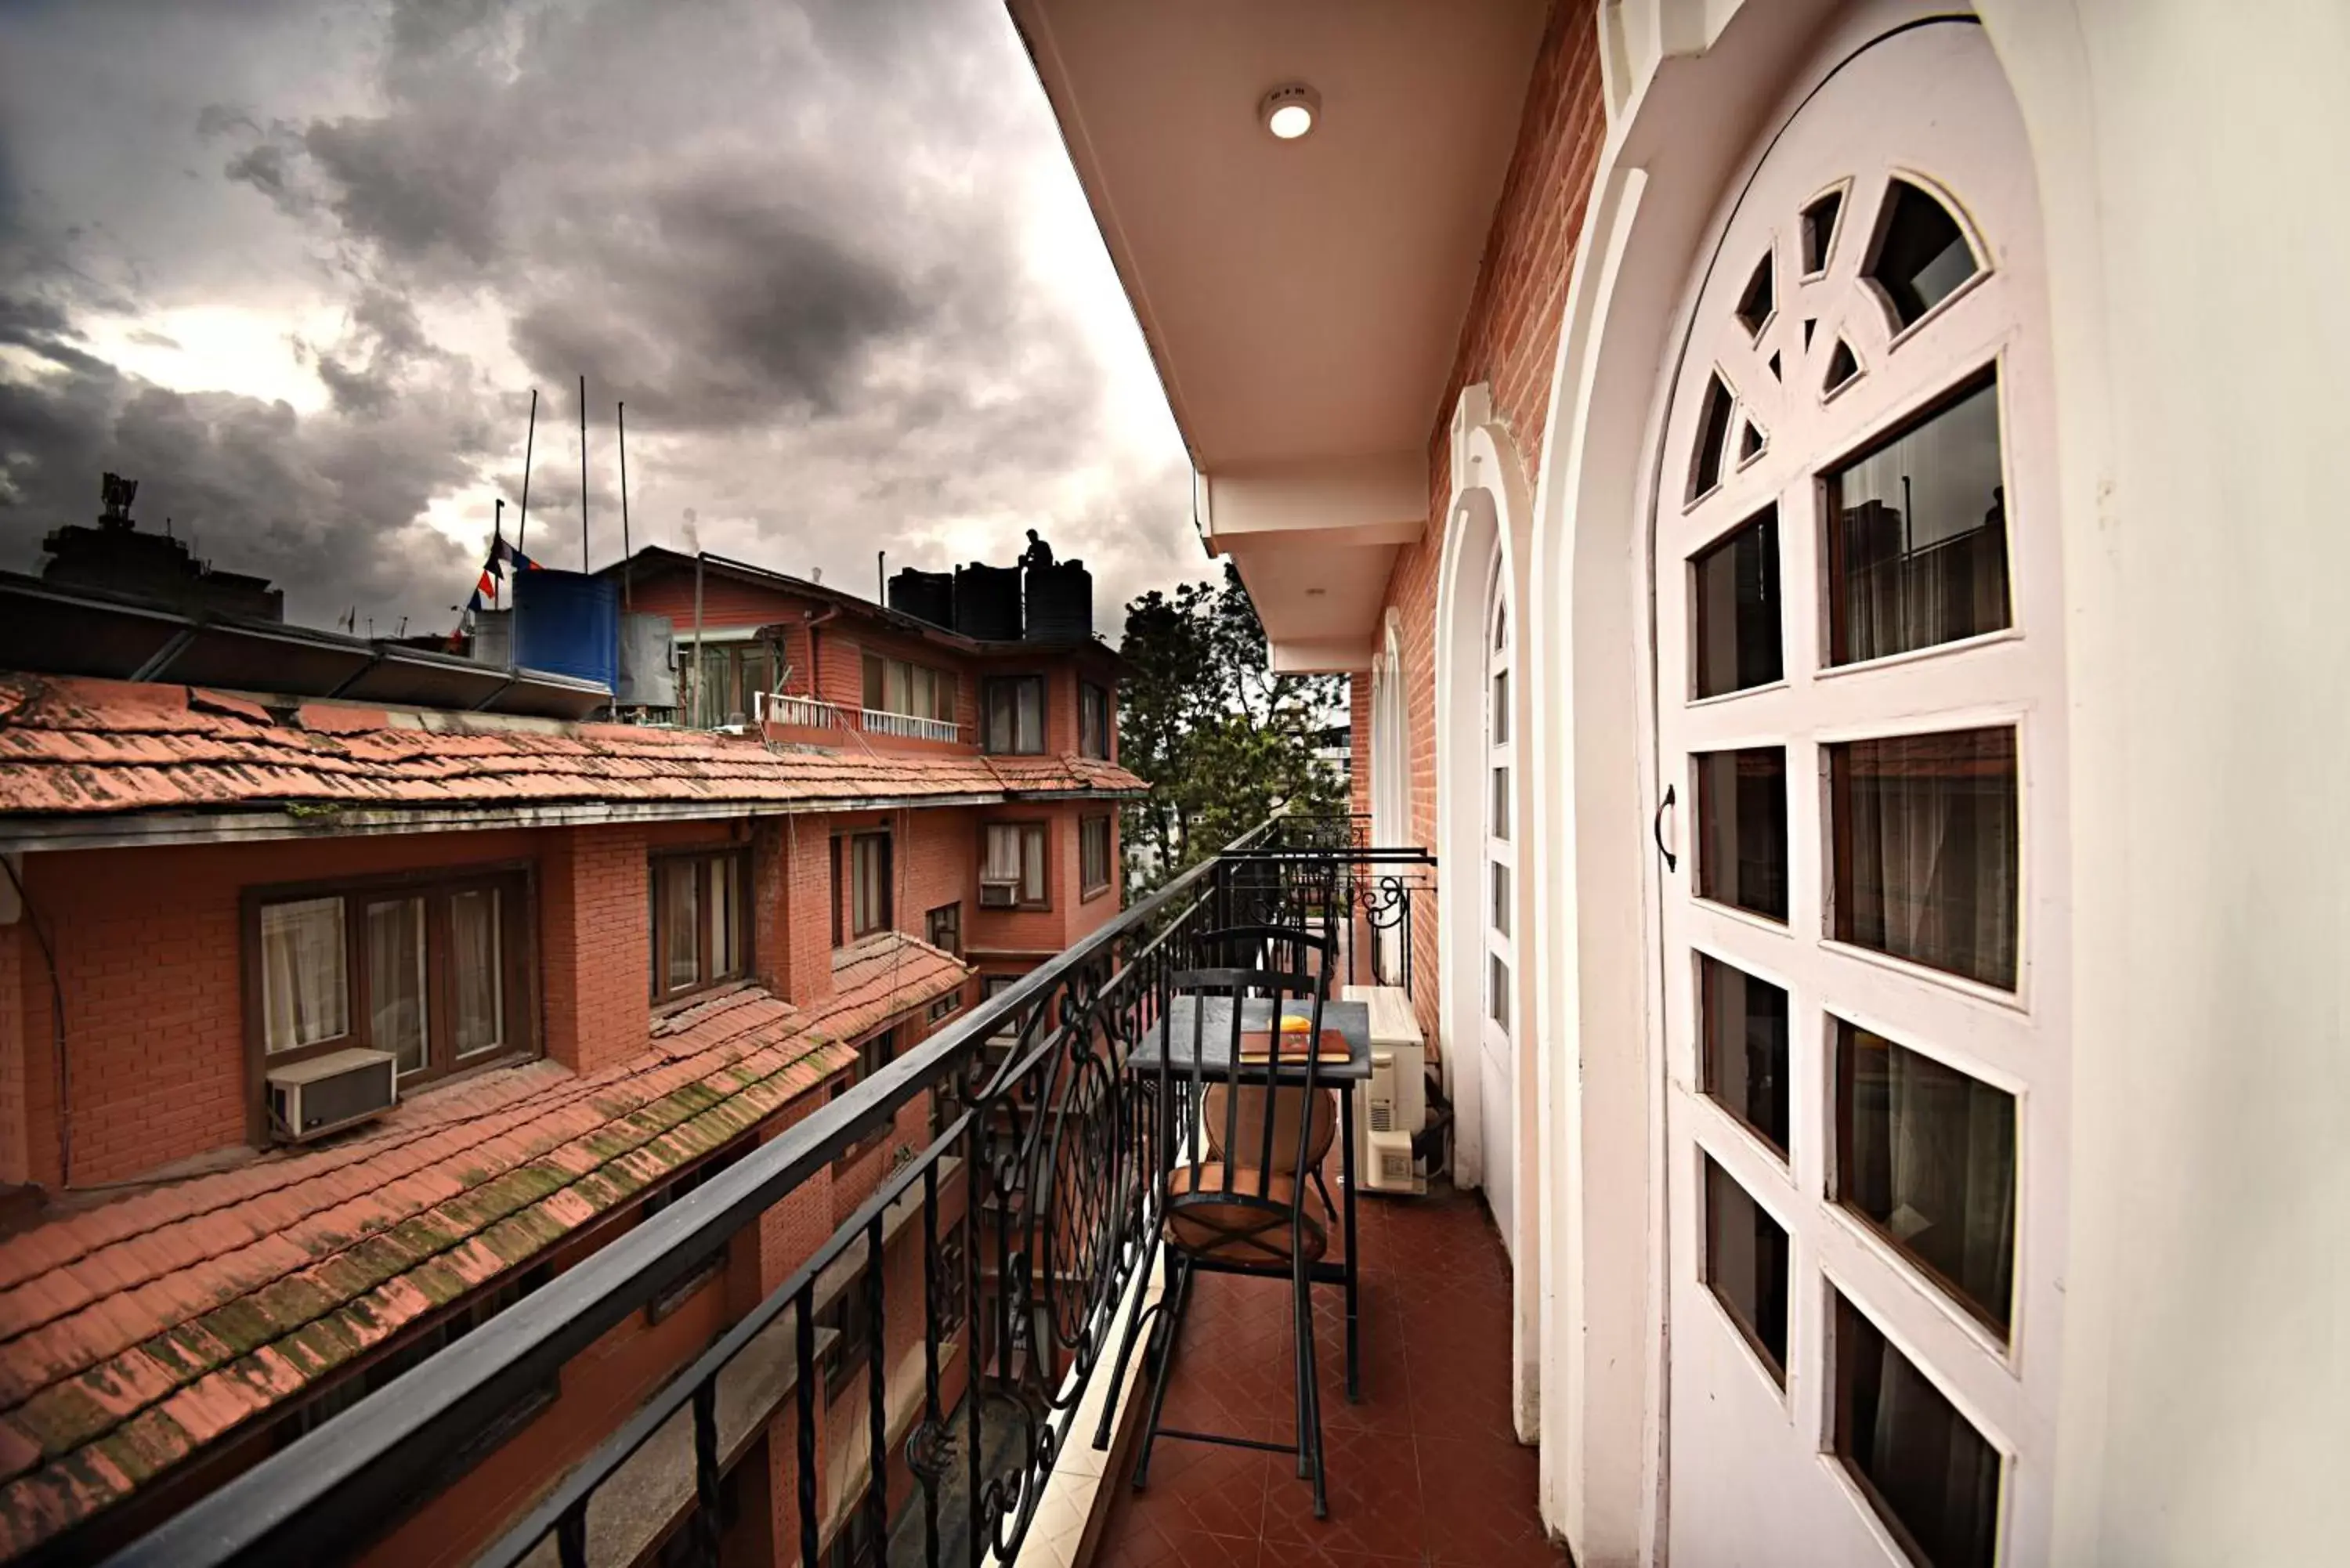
point(1248, 1135)
point(1249, 1227)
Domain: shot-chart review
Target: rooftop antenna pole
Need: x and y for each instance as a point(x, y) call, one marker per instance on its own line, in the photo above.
point(523, 527)
point(497, 533)
point(583, 473)
point(881, 576)
point(627, 598)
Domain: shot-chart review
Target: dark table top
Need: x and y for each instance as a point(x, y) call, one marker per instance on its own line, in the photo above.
point(1350, 1019)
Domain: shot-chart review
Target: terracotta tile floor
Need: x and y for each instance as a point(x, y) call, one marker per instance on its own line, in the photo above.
point(1424, 1469)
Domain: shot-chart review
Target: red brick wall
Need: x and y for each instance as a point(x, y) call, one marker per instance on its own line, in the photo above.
point(20, 958)
point(594, 934)
point(1510, 341)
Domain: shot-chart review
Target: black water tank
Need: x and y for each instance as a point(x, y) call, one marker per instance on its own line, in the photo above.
point(1060, 603)
point(987, 602)
point(925, 596)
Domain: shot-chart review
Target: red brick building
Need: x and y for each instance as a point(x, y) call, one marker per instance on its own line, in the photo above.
point(605, 961)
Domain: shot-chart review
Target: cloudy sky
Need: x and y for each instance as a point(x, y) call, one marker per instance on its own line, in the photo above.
point(297, 268)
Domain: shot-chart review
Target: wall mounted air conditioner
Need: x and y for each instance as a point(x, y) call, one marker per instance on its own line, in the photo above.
point(326, 1094)
point(1392, 1104)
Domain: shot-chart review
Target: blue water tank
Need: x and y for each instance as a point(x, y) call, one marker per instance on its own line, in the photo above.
point(569, 623)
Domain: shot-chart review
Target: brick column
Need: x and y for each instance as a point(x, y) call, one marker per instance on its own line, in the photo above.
point(594, 942)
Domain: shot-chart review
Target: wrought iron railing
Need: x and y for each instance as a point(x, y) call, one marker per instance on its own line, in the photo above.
point(1020, 1280)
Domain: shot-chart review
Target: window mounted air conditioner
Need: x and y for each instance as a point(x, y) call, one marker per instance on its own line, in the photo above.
point(998, 894)
point(326, 1094)
point(1392, 1104)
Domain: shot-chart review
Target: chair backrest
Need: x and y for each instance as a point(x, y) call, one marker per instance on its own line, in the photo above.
point(1208, 1013)
point(1293, 950)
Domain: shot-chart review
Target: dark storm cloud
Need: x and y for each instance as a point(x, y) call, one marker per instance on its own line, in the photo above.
point(788, 237)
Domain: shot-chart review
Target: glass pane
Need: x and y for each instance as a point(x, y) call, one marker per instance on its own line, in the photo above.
point(1819, 231)
point(1746, 1266)
point(1754, 306)
point(1031, 736)
point(680, 919)
point(1002, 854)
point(1500, 712)
point(1743, 1047)
point(395, 960)
point(1501, 898)
point(1917, 537)
point(1499, 825)
point(1923, 257)
point(477, 975)
point(303, 999)
point(725, 917)
point(901, 687)
point(1032, 868)
point(1737, 585)
point(875, 682)
point(1741, 827)
point(1926, 851)
point(1713, 435)
point(1926, 1471)
point(1497, 982)
point(945, 689)
point(1929, 1154)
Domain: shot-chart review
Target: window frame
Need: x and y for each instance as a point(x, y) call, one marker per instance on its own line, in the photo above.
point(1093, 720)
point(515, 881)
point(704, 856)
point(1088, 891)
point(1016, 684)
point(874, 662)
point(849, 850)
point(1023, 826)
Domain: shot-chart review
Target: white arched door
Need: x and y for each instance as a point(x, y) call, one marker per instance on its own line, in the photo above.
point(1497, 1062)
point(1860, 713)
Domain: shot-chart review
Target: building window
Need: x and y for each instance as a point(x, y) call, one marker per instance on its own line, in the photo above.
point(856, 1545)
point(1927, 851)
point(1923, 1467)
point(1015, 713)
point(700, 937)
point(1012, 872)
point(899, 686)
point(713, 1263)
point(1093, 720)
point(875, 1053)
point(1746, 1266)
point(1092, 855)
point(942, 927)
point(1741, 824)
point(1743, 1048)
point(1926, 1154)
point(425, 968)
point(849, 1316)
point(946, 1006)
point(732, 674)
point(868, 907)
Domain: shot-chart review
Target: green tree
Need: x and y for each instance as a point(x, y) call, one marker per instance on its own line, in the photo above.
point(1221, 740)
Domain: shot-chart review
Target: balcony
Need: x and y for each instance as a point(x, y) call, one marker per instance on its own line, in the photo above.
point(976, 1401)
point(812, 713)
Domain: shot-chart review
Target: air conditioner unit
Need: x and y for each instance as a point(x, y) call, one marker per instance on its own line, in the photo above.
point(326, 1094)
point(998, 894)
point(1392, 1104)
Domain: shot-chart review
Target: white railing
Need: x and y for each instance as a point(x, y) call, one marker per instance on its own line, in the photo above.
point(782, 708)
point(907, 727)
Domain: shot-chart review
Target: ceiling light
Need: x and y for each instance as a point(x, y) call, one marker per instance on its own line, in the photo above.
point(1290, 111)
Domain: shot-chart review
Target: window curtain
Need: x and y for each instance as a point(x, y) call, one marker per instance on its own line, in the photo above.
point(1940, 1477)
point(1003, 855)
point(1032, 864)
point(303, 997)
point(1950, 1172)
point(1935, 850)
point(678, 915)
point(479, 979)
point(395, 960)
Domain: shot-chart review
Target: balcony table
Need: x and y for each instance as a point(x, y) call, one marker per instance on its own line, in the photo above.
point(1352, 1020)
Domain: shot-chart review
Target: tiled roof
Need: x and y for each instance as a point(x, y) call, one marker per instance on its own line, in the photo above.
point(76, 747)
point(135, 1334)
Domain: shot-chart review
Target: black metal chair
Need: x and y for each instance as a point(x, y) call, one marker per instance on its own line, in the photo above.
point(1240, 1211)
point(1292, 950)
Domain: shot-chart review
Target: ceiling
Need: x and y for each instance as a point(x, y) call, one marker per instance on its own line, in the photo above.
point(1302, 300)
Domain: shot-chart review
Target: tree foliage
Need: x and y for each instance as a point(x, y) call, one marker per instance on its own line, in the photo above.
point(1221, 740)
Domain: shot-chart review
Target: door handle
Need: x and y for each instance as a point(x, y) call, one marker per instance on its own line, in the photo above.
point(1657, 827)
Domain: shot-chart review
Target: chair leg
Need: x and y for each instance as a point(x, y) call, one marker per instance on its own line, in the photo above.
point(1299, 1330)
point(1313, 1389)
point(1172, 1322)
